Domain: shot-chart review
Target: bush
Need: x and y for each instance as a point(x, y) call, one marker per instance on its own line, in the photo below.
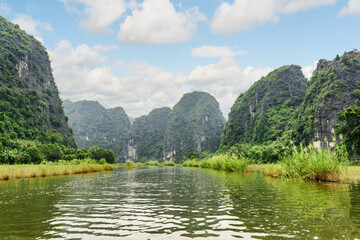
point(225, 162)
point(191, 163)
point(314, 164)
point(99, 153)
point(14, 157)
point(169, 164)
point(152, 163)
point(51, 152)
point(35, 154)
point(81, 154)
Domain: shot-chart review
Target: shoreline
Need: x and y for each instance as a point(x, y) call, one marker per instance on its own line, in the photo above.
point(8, 172)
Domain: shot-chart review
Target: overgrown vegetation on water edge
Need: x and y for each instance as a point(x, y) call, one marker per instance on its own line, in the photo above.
point(314, 164)
point(305, 163)
point(150, 163)
point(220, 162)
point(52, 169)
point(33, 152)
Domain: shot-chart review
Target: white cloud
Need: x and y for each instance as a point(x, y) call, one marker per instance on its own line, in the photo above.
point(83, 72)
point(158, 22)
point(293, 6)
point(225, 80)
point(97, 15)
point(215, 52)
point(247, 14)
point(308, 70)
point(31, 26)
point(4, 9)
point(352, 9)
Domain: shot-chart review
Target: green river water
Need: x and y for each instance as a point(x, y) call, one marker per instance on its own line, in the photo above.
point(177, 203)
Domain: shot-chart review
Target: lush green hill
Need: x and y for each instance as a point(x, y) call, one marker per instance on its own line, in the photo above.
point(195, 125)
point(30, 107)
point(334, 86)
point(93, 125)
point(262, 113)
point(147, 135)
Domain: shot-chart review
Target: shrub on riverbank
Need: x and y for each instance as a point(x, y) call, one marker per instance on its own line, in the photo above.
point(220, 162)
point(314, 164)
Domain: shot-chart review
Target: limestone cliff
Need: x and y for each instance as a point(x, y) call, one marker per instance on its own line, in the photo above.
point(93, 125)
point(262, 113)
point(195, 125)
point(147, 135)
point(29, 99)
point(334, 86)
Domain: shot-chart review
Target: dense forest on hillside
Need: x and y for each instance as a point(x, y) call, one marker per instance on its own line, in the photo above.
point(282, 109)
point(29, 100)
point(93, 125)
point(33, 126)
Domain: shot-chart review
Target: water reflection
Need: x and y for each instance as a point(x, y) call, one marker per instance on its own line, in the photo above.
point(177, 203)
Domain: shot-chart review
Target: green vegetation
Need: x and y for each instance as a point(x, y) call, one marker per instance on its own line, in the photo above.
point(195, 125)
point(351, 128)
point(51, 169)
point(261, 114)
point(305, 163)
point(96, 126)
point(147, 134)
point(314, 164)
point(30, 107)
point(220, 162)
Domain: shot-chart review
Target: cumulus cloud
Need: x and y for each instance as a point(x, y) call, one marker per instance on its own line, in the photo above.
point(352, 9)
point(4, 9)
point(97, 15)
point(308, 70)
point(247, 14)
point(225, 80)
point(82, 72)
point(31, 26)
point(158, 22)
point(215, 52)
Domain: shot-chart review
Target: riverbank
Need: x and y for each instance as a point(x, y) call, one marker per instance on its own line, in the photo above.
point(349, 174)
point(30, 171)
point(305, 163)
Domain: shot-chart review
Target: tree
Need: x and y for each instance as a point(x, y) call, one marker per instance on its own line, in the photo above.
point(351, 128)
point(99, 153)
point(52, 152)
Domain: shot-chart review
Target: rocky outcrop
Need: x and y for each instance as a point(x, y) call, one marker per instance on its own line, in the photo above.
point(93, 125)
point(334, 86)
point(195, 125)
point(147, 135)
point(263, 112)
point(25, 75)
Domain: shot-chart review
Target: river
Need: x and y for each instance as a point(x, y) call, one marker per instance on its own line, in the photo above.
point(177, 203)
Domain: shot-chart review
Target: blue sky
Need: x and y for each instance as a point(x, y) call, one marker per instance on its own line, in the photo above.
point(144, 54)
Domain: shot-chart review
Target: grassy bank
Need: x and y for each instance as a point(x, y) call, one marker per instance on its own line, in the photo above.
point(29, 171)
point(130, 165)
point(305, 163)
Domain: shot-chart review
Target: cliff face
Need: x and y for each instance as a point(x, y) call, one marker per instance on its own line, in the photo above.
point(147, 135)
point(334, 86)
point(262, 113)
point(30, 103)
point(195, 125)
point(93, 125)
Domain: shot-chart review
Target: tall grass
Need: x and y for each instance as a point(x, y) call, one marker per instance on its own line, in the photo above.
point(220, 162)
point(314, 164)
point(29, 171)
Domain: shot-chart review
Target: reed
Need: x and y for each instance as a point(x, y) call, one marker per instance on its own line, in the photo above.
point(30, 171)
point(220, 162)
point(314, 164)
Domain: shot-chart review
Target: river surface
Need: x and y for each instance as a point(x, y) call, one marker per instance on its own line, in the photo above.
point(177, 203)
